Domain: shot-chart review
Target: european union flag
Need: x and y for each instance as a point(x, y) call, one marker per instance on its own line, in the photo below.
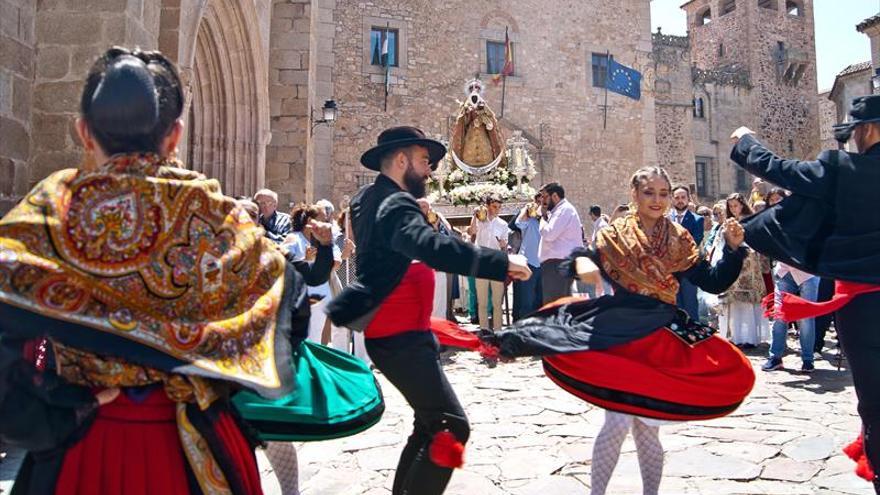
point(623, 80)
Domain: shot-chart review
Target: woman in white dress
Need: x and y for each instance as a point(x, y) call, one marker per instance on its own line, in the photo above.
point(741, 317)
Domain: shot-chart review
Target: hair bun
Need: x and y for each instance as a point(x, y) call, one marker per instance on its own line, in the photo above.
point(126, 100)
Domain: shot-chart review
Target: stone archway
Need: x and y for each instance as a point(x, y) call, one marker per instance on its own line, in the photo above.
point(222, 59)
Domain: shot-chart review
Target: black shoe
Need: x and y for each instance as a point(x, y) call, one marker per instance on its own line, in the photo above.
point(807, 368)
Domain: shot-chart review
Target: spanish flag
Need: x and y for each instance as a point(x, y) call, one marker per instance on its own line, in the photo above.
point(507, 70)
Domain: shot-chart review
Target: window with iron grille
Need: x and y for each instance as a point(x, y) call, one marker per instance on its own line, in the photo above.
point(364, 179)
point(702, 173)
point(742, 180)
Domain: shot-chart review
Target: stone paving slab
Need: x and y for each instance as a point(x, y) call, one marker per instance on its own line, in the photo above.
point(530, 437)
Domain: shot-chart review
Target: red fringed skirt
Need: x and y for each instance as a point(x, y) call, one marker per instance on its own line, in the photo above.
point(658, 376)
point(134, 449)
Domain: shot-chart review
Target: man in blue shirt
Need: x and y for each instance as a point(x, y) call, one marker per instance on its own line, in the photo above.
point(527, 295)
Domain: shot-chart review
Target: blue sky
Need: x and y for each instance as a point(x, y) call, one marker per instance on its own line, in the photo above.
point(838, 44)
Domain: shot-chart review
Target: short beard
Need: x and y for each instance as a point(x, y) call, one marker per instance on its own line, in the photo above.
point(414, 183)
point(680, 209)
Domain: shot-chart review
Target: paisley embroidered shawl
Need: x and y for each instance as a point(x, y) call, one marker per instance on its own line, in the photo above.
point(646, 265)
point(152, 255)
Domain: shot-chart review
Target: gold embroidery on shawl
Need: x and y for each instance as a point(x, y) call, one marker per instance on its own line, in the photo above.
point(151, 253)
point(201, 460)
point(646, 265)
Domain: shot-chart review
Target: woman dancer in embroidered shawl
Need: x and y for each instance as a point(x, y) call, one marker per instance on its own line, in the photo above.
point(646, 360)
point(133, 297)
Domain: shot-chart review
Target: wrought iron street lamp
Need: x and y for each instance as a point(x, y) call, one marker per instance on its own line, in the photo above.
point(328, 114)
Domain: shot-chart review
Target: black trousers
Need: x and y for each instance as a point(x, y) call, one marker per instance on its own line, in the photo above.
point(857, 330)
point(553, 284)
point(411, 362)
point(826, 291)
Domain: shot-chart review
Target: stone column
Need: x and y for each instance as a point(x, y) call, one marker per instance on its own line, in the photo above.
point(289, 43)
point(319, 174)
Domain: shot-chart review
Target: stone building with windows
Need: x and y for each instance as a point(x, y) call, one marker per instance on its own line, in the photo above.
point(258, 72)
point(744, 62)
point(854, 80)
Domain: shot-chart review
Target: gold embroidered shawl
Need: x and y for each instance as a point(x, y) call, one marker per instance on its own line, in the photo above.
point(154, 254)
point(645, 265)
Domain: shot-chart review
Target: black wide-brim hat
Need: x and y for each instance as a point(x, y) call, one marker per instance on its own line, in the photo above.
point(401, 137)
point(865, 109)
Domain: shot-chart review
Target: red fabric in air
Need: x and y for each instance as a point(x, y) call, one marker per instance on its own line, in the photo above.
point(794, 308)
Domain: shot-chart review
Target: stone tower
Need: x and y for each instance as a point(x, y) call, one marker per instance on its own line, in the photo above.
point(773, 42)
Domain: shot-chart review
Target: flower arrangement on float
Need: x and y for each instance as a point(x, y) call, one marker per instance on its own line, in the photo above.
point(479, 161)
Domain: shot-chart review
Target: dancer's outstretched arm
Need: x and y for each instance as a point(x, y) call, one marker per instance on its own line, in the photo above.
point(809, 178)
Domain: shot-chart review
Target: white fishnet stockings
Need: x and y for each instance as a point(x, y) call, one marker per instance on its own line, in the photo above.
point(606, 452)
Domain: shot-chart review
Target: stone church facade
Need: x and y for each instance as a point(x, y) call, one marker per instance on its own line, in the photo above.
point(258, 70)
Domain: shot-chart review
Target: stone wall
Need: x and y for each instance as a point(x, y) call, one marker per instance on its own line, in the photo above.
point(70, 35)
point(872, 31)
point(827, 118)
point(721, 42)
point(789, 112)
point(17, 48)
point(674, 98)
point(756, 67)
point(847, 87)
point(551, 92)
point(259, 68)
point(289, 54)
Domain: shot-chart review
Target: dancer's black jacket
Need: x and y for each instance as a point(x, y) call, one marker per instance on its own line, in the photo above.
point(830, 225)
point(390, 231)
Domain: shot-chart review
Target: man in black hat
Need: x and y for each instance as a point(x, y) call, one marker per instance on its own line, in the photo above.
point(830, 226)
point(392, 297)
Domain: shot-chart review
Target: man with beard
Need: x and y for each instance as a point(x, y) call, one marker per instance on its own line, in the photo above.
point(391, 300)
point(680, 214)
point(829, 226)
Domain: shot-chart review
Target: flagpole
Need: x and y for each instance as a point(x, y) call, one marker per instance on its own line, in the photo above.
point(503, 75)
point(387, 63)
point(503, 91)
point(605, 106)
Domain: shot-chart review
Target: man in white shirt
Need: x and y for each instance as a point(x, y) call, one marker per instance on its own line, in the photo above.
point(490, 232)
point(598, 220)
point(561, 232)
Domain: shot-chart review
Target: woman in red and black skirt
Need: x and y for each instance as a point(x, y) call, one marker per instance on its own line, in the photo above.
point(634, 353)
point(134, 298)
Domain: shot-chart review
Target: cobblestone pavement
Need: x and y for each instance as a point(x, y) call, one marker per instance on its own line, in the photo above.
point(530, 437)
